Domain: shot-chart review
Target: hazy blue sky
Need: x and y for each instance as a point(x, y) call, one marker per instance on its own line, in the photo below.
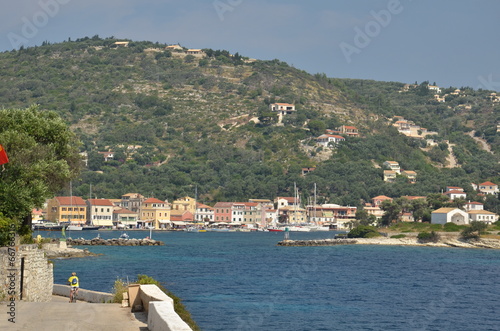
point(450, 42)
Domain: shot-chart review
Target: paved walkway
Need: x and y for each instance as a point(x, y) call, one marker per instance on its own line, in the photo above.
point(60, 315)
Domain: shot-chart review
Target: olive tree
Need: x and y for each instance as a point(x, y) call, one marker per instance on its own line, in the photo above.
point(43, 157)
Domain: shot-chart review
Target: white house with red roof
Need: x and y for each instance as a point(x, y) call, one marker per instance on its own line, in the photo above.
point(488, 188)
point(455, 194)
point(327, 140)
point(473, 205)
point(204, 213)
point(377, 201)
point(100, 212)
point(282, 109)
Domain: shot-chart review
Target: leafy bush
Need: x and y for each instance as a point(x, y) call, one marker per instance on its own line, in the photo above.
point(474, 231)
point(425, 237)
point(363, 231)
point(119, 288)
point(398, 236)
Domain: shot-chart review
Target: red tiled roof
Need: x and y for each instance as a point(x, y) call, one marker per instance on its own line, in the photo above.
point(100, 202)
point(71, 201)
point(124, 211)
point(487, 184)
point(153, 200)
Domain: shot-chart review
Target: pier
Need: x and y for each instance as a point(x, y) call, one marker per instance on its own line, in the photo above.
point(114, 242)
point(318, 242)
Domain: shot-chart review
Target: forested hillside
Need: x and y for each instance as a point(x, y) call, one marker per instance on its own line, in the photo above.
point(177, 122)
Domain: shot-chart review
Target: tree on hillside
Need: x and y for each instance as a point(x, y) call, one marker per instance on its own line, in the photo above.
point(43, 157)
point(392, 211)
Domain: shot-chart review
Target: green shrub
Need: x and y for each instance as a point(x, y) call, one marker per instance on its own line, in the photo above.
point(425, 237)
point(363, 231)
point(474, 231)
point(398, 236)
point(119, 288)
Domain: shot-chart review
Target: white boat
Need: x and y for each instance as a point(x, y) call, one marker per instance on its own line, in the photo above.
point(319, 228)
point(74, 227)
point(124, 236)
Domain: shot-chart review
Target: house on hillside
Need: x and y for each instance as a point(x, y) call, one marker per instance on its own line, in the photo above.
point(282, 109)
point(108, 156)
point(348, 130)
point(488, 188)
point(326, 140)
point(186, 203)
point(411, 175)
point(377, 201)
point(390, 176)
point(455, 194)
point(305, 171)
point(447, 215)
point(473, 206)
point(392, 165)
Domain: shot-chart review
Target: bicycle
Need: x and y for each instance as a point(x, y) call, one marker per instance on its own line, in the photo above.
point(73, 294)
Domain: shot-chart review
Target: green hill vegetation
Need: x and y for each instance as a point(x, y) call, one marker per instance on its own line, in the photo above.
point(177, 122)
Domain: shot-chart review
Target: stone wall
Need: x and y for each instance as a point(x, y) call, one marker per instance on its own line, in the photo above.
point(29, 262)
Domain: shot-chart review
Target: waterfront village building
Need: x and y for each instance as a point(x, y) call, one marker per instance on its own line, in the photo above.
point(124, 218)
point(185, 203)
point(292, 214)
point(180, 219)
point(286, 201)
point(222, 212)
point(447, 215)
point(482, 216)
point(155, 213)
point(67, 209)
point(488, 188)
point(133, 202)
point(377, 201)
point(100, 212)
point(333, 215)
point(204, 213)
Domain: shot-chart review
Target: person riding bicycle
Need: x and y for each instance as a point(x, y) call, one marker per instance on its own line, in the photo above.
point(75, 284)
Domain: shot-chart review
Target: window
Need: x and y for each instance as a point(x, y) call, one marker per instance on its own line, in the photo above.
point(54, 208)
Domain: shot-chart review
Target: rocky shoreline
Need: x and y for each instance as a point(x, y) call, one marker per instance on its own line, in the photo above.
point(449, 241)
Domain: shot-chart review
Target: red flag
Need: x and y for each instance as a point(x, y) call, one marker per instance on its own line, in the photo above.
point(3, 156)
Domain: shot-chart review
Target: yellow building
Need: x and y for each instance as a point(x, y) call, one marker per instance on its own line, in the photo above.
point(156, 212)
point(185, 203)
point(67, 209)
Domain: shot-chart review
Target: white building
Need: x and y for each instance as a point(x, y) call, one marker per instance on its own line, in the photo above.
point(100, 212)
point(447, 215)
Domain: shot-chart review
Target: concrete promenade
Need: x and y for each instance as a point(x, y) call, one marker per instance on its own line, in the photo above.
point(61, 315)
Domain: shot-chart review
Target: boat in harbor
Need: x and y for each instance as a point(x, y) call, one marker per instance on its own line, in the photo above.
point(47, 226)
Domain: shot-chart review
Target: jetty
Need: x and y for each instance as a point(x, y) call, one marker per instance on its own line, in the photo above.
point(114, 242)
point(318, 242)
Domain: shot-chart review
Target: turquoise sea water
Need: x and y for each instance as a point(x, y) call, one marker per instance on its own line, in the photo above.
point(243, 281)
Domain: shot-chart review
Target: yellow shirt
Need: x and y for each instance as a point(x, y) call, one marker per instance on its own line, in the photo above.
point(73, 281)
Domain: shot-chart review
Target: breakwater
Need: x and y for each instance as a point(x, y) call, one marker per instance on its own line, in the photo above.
point(317, 242)
point(114, 242)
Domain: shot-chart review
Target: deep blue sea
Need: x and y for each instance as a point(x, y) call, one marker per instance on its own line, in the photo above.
point(243, 281)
